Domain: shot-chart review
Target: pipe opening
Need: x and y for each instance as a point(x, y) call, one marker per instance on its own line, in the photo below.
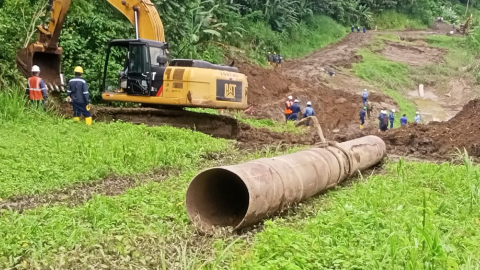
point(218, 197)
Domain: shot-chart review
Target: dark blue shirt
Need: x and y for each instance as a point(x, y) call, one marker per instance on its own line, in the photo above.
point(403, 120)
point(362, 114)
point(296, 108)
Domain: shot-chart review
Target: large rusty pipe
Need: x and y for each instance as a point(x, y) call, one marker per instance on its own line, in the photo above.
point(241, 195)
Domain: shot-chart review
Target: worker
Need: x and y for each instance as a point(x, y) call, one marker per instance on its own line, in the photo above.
point(391, 117)
point(36, 88)
point(362, 117)
point(78, 94)
point(364, 30)
point(453, 25)
point(417, 118)
point(383, 121)
point(295, 111)
point(364, 96)
point(269, 58)
point(274, 59)
point(288, 108)
point(369, 109)
point(309, 111)
point(358, 29)
point(353, 29)
point(403, 120)
point(279, 60)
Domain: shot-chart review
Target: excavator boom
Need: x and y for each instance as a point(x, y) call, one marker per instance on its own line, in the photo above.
point(46, 53)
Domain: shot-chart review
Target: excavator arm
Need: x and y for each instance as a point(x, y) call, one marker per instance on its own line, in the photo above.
point(149, 24)
point(46, 53)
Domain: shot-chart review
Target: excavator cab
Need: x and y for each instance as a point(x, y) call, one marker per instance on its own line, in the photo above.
point(142, 64)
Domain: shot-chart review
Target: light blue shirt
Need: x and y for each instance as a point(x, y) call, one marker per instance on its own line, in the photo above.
point(417, 119)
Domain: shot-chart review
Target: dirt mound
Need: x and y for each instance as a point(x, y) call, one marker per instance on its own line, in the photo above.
point(251, 137)
point(440, 138)
point(268, 90)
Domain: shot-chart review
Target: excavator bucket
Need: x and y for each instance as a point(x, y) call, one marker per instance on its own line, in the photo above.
point(48, 61)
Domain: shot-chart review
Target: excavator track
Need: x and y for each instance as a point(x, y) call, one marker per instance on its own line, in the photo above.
point(218, 126)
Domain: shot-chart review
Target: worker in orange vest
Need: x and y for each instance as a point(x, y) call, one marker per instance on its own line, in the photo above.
point(36, 88)
point(288, 107)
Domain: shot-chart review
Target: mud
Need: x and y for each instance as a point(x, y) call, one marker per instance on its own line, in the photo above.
point(218, 126)
point(268, 90)
point(413, 55)
point(78, 194)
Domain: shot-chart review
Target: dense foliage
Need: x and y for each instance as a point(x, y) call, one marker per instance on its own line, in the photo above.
point(207, 29)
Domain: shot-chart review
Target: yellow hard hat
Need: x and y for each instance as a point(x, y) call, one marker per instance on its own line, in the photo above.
point(275, 52)
point(78, 69)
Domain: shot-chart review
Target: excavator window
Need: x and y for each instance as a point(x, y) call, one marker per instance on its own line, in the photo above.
point(155, 53)
point(139, 59)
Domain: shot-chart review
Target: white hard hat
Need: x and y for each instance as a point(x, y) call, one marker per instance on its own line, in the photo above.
point(393, 110)
point(290, 97)
point(365, 90)
point(309, 103)
point(417, 113)
point(384, 112)
point(35, 68)
point(296, 101)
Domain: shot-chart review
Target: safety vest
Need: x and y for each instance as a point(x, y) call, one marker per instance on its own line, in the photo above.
point(288, 106)
point(34, 87)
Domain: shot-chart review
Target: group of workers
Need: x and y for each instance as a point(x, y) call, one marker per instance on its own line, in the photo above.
point(358, 29)
point(77, 93)
point(383, 118)
point(275, 60)
point(292, 109)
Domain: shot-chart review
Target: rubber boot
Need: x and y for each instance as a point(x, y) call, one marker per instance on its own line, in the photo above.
point(88, 121)
point(76, 119)
point(361, 126)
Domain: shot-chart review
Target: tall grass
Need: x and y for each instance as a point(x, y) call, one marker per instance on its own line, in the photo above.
point(12, 104)
point(306, 38)
point(394, 20)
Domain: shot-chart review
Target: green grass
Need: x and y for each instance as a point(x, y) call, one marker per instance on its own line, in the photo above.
point(459, 62)
point(269, 124)
point(393, 20)
point(318, 33)
point(132, 229)
point(272, 125)
point(304, 39)
point(417, 216)
point(392, 77)
point(41, 152)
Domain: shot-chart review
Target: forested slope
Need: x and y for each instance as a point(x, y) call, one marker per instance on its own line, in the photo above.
point(210, 29)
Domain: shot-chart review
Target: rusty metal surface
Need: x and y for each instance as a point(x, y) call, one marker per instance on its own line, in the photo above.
point(243, 194)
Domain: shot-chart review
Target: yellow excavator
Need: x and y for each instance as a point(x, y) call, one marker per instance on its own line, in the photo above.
point(146, 77)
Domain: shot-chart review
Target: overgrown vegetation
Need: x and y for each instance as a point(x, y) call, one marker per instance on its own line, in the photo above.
point(206, 29)
point(41, 152)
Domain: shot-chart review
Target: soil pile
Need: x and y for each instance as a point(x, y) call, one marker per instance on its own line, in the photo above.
point(439, 138)
point(268, 90)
